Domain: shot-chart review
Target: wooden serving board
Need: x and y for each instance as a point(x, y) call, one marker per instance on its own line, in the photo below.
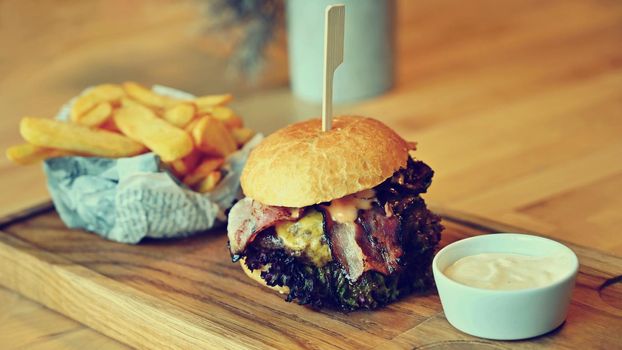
point(186, 294)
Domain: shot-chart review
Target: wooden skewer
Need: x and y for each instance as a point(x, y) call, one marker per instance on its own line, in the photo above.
point(333, 57)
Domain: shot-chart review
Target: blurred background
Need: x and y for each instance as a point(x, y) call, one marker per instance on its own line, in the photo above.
point(517, 105)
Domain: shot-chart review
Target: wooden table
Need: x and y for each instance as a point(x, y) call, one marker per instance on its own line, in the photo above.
point(516, 105)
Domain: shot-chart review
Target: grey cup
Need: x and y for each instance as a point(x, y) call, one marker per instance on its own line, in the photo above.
point(367, 69)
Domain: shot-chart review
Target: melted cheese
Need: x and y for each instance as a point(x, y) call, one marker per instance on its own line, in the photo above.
point(345, 209)
point(306, 236)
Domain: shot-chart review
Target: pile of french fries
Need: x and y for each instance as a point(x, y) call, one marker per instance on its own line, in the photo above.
point(192, 136)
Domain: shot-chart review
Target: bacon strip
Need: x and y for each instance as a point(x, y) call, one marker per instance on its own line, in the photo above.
point(248, 217)
point(345, 248)
point(369, 244)
point(380, 241)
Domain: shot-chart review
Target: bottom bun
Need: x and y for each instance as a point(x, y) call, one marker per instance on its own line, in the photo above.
point(256, 275)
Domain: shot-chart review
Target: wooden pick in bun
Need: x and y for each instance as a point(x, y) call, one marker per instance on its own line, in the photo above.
point(335, 219)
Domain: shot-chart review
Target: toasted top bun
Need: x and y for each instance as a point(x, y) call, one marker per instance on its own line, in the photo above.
point(256, 276)
point(300, 165)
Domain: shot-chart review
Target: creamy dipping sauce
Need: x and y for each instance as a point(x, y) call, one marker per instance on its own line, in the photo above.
point(504, 271)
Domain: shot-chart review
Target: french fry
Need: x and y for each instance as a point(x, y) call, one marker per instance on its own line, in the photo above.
point(110, 125)
point(126, 102)
point(180, 115)
point(242, 135)
point(27, 154)
point(234, 122)
point(212, 137)
point(141, 124)
point(96, 116)
point(82, 105)
point(101, 93)
point(192, 136)
point(178, 168)
point(146, 96)
point(227, 116)
point(209, 182)
point(50, 133)
point(107, 93)
point(192, 160)
point(185, 165)
point(205, 104)
point(200, 172)
point(193, 123)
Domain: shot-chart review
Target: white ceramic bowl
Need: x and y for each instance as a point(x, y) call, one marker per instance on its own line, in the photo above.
point(504, 314)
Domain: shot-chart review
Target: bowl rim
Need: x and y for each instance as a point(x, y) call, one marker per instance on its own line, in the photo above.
point(570, 274)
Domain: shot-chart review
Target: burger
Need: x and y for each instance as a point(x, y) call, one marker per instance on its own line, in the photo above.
point(335, 219)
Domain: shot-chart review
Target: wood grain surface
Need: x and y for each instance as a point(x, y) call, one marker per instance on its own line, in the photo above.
point(187, 294)
point(30, 325)
point(517, 105)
